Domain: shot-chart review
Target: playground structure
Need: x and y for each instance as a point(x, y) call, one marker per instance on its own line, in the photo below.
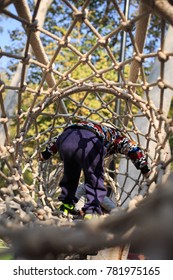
point(127, 96)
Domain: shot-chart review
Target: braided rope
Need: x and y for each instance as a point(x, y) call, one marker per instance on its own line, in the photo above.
point(145, 100)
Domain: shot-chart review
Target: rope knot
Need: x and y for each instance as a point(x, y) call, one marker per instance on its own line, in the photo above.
point(33, 26)
point(80, 15)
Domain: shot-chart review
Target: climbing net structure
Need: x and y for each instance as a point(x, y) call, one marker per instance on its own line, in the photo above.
point(85, 73)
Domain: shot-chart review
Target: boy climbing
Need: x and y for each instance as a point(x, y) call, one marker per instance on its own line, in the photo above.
point(83, 146)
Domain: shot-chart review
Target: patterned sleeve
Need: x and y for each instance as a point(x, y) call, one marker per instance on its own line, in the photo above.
point(50, 150)
point(130, 148)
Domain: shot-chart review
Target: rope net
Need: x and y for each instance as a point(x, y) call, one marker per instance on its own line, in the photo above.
point(84, 74)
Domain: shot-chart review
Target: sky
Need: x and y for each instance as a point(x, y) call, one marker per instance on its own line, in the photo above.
point(6, 24)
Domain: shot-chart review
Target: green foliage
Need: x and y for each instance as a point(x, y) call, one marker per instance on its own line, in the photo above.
point(5, 255)
point(104, 19)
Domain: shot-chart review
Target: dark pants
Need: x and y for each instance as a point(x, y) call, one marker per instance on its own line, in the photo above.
point(81, 149)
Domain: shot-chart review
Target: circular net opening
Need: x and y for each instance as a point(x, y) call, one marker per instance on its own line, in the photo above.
point(88, 61)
